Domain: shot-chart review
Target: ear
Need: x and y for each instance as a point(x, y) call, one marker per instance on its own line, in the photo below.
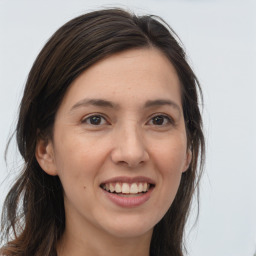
point(187, 160)
point(45, 156)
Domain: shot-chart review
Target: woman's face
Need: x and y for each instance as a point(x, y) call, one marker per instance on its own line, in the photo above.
point(119, 144)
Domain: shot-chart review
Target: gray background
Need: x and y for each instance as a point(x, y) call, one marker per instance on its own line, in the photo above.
point(220, 39)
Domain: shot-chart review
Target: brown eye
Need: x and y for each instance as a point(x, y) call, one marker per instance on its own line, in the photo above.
point(160, 120)
point(95, 120)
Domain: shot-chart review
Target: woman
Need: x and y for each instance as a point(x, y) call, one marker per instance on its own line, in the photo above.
point(111, 135)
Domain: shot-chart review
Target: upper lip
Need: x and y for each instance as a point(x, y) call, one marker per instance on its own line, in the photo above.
point(125, 179)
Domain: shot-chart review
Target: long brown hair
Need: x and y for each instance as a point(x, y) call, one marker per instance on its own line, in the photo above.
point(33, 218)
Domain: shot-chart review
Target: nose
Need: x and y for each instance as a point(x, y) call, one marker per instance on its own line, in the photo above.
point(129, 148)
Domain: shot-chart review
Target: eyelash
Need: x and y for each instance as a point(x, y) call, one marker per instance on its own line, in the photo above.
point(89, 118)
point(165, 118)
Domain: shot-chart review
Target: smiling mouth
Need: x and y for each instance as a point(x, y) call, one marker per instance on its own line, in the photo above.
point(127, 189)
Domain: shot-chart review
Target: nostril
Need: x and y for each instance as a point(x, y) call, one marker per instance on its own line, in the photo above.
point(130, 164)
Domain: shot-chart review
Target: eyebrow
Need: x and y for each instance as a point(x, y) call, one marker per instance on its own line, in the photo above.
point(109, 104)
point(94, 102)
point(162, 102)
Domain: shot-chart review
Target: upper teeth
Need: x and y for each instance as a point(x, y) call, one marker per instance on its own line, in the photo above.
point(126, 188)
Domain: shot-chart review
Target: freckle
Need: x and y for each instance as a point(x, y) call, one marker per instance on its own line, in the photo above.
point(84, 187)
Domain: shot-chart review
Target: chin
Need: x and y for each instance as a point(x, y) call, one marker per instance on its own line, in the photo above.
point(130, 228)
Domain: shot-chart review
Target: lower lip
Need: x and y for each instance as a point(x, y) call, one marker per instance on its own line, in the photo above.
point(129, 202)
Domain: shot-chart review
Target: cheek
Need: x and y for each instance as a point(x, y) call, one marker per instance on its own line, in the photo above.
point(78, 166)
point(170, 156)
point(78, 159)
point(169, 160)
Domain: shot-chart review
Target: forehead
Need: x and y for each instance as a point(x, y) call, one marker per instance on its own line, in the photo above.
point(134, 76)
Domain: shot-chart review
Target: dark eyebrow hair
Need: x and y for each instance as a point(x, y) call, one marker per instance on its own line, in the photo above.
point(94, 102)
point(109, 104)
point(162, 102)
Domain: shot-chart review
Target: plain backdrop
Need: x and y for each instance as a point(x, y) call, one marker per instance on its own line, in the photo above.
point(220, 40)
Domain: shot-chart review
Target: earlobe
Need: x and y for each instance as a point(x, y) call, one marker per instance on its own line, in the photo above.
point(188, 160)
point(45, 156)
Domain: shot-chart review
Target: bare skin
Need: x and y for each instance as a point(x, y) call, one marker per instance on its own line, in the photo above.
point(120, 126)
